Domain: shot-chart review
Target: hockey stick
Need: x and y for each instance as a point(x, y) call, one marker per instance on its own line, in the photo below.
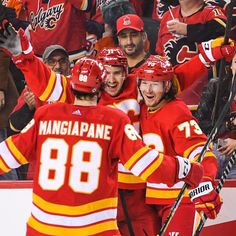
point(201, 155)
point(222, 61)
point(228, 167)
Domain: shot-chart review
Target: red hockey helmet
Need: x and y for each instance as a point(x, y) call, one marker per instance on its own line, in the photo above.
point(156, 68)
point(88, 76)
point(112, 56)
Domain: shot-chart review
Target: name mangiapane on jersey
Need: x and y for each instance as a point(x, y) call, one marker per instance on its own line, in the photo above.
point(89, 130)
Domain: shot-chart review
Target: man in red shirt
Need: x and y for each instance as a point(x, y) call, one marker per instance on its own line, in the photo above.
point(121, 93)
point(168, 125)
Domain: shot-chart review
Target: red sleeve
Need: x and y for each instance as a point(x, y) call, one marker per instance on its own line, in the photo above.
point(141, 160)
point(188, 72)
point(17, 150)
point(187, 129)
point(215, 13)
point(44, 83)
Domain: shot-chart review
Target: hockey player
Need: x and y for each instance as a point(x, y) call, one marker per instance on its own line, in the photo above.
point(77, 148)
point(45, 83)
point(121, 92)
point(168, 125)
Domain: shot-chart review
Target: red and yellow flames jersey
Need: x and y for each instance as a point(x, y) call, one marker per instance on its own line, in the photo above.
point(180, 49)
point(58, 22)
point(77, 149)
point(44, 83)
point(172, 130)
point(49, 86)
point(127, 102)
point(55, 87)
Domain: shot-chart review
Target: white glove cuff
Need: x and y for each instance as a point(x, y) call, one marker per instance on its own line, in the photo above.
point(184, 167)
point(204, 62)
point(202, 189)
point(208, 50)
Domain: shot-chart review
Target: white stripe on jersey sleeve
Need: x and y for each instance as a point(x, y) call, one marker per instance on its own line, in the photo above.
point(144, 162)
point(195, 152)
point(8, 157)
point(58, 89)
point(164, 186)
point(122, 169)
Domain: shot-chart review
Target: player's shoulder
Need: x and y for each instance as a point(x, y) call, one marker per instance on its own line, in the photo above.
point(178, 108)
point(52, 108)
point(111, 111)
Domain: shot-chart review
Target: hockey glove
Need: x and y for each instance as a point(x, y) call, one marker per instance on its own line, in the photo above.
point(214, 50)
point(189, 172)
point(14, 43)
point(206, 199)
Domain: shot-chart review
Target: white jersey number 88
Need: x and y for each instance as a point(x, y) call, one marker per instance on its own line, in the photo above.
point(52, 172)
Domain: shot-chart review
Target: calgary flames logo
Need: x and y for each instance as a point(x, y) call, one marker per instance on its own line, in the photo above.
point(179, 50)
point(46, 19)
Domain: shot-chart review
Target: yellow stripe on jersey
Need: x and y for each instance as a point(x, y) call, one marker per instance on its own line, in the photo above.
point(163, 194)
point(154, 166)
point(13, 128)
point(74, 210)
point(15, 151)
point(190, 149)
point(207, 154)
point(62, 231)
point(3, 167)
point(135, 157)
point(84, 5)
point(63, 97)
point(220, 21)
point(129, 178)
point(51, 82)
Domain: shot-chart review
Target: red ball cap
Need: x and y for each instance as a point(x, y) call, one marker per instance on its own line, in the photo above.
point(129, 21)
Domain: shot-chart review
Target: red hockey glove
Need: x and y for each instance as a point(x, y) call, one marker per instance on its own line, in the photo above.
point(189, 172)
point(15, 43)
point(206, 199)
point(214, 50)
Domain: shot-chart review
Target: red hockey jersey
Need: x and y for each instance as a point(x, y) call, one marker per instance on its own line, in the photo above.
point(49, 86)
point(127, 102)
point(58, 22)
point(180, 49)
point(173, 131)
point(77, 149)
